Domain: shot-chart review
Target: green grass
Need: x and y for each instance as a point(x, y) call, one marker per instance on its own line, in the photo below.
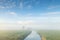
point(50, 34)
point(13, 34)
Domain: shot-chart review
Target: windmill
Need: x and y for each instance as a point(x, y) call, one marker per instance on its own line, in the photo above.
point(23, 27)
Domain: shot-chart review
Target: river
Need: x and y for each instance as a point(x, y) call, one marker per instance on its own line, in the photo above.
point(33, 36)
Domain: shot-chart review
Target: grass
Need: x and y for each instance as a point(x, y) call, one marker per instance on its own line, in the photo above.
point(21, 34)
point(13, 34)
point(50, 34)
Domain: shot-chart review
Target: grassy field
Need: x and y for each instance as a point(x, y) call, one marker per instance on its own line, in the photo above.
point(50, 34)
point(13, 34)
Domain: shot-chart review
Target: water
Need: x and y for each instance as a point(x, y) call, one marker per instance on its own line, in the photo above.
point(33, 36)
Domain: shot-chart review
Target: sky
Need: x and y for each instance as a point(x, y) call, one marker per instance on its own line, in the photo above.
point(34, 14)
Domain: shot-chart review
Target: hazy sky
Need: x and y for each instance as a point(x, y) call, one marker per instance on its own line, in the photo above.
point(35, 14)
